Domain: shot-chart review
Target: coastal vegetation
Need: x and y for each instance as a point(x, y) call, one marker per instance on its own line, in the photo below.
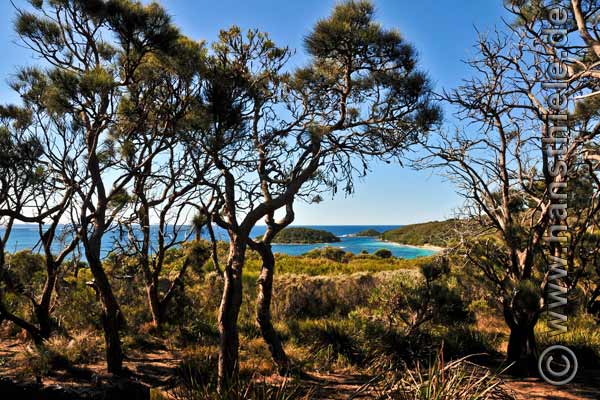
point(368, 233)
point(304, 236)
point(125, 124)
point(435, 233)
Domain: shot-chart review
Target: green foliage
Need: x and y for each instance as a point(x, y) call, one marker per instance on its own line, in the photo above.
point(330, 340)
point(330, 253)
point(383, 253)
point(368, 233)
point(350, 47)
point(437, 233)
point(26, 270)
point(408, 303)
point(78, 308)
point(305, 235)
point(331, 262)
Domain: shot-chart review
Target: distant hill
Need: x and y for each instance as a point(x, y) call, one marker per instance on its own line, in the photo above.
point(436, 233)
point(368, 233)
point(305, 236)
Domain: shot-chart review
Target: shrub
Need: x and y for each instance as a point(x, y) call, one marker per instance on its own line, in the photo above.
point(406, 302)
point(84, 347)
point(329, 340)
point(464, 340)
point(330, 253)
point(299, 296)
point(383, 253)
point(35, 362)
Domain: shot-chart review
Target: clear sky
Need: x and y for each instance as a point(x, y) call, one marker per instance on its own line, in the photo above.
point(443, 32)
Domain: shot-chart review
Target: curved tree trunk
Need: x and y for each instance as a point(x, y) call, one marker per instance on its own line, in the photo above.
point(263, 309)
point(42, 310)
point(112, 318)
point(154, 303)
point(5, 314)
point(228, 314)
point(522, 346)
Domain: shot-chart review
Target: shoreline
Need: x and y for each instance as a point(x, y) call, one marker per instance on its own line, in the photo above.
point(423, 246)
point(306, 244)
point(333, 244)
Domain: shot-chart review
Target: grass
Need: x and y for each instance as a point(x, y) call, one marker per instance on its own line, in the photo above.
point(441, 380)
point(582, 336)
point(328, 322)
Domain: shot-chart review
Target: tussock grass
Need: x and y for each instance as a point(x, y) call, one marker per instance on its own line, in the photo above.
point(458, 379)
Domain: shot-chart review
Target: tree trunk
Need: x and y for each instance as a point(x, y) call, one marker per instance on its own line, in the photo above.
point(228, 313)
point(5, 314)
point(263, 309)
point(522, 347)
point(154, 302)
point(112, 318)
point(42, 310)
point(112, 323)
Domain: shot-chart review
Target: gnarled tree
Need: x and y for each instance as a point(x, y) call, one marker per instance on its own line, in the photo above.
point(93, 50)
point(275, 136)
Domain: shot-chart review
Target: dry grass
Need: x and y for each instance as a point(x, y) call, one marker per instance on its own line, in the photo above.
point(458, 379)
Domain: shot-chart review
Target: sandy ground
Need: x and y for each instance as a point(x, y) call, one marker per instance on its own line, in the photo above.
point(155, 369)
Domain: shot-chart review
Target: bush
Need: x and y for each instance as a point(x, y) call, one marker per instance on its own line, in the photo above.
point(406, 302)
point(84, 347)
point(299, 296)
point(330, 341)
point(383, 253)
point(330, 253)
point(464, 340)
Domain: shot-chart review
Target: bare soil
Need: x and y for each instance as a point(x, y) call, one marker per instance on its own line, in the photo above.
point(155, 368)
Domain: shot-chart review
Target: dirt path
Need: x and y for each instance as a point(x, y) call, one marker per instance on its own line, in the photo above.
point(585, 387)
point(155, 368)
point(337, 386)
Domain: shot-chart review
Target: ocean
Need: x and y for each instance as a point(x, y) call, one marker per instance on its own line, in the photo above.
point(24, 236)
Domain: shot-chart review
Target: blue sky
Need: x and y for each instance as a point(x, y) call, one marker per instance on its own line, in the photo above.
point(443, 33)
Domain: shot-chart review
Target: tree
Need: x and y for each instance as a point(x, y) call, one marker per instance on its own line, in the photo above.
point(93, 50)
point(275, 136)
point(158, 104)
point(510, 177)
point(580, 50)
point(19, 175)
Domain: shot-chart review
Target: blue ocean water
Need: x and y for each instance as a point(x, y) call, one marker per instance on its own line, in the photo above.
point(27, 236)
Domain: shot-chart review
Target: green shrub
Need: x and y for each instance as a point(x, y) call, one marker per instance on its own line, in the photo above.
point(330, 253)
point(383, 253)
point(408, 302)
